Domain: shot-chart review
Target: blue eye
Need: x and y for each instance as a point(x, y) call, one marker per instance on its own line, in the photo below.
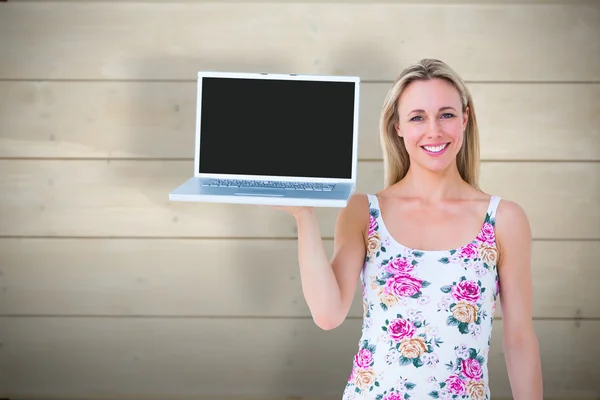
point(420, 118)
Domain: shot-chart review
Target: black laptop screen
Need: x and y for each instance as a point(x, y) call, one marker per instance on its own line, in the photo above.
point(276, 127)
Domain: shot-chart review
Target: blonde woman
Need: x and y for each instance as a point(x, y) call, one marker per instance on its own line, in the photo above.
point(432, 253)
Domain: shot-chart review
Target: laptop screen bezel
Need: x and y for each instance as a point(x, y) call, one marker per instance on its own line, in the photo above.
point(275, 76)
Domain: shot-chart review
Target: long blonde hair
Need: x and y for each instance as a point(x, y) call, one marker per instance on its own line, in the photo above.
point(395, 156)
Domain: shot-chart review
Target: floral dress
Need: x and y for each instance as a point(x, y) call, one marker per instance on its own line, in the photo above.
point(427, 318)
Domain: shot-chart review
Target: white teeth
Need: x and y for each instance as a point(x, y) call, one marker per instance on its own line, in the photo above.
point(435, 149)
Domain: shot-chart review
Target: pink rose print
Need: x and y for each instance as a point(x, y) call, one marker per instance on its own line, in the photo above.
point(363, 359)
point(471, 369)
point(468, 251)
point(351, 377)
point(403, 285)
point(455, 385)
point(394, 396)
point(466, 290)
point(399, 266)
point(372, 224)
point(487, 234)
point(401, 329)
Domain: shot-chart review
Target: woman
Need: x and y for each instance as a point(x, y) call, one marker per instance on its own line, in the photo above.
point(432, 252)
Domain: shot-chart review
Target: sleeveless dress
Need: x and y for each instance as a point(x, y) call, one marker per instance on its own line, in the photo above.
point(427, 320)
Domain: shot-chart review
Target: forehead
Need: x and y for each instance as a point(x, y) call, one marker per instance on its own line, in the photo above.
point(429, 95)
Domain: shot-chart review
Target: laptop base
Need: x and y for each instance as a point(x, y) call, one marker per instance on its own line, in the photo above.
point(193, 190)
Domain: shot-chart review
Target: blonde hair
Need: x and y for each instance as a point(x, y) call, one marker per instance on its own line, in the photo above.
point(395, 156)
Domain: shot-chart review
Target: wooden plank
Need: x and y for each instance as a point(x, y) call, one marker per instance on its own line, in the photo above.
point(117, 119)
point(157, 120)
point(345, 1)
point(243, 397)
point(130, 40)
point(130, 277)
point(130, 198)
point(233, 357)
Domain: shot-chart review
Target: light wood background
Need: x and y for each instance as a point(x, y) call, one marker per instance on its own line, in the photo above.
point(107, 289)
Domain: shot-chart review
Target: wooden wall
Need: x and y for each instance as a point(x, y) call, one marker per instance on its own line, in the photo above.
point(108, 289)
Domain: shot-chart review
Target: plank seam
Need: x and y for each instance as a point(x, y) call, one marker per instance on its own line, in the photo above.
point(228, 317)
point(362, 160)
point(364, 81)
point(400, 2)
point(228, 238)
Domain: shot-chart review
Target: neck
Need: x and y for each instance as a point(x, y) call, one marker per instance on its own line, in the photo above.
point(433, 186)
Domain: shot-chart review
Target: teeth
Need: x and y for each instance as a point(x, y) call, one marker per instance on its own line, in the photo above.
point(434, 149)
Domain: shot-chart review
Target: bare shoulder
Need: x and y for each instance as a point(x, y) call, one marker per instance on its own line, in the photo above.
point(358, 204)
point(513, 230)
point(355, 216)
point(511, 218)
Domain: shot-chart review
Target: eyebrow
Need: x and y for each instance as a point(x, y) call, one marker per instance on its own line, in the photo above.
point(441, 109)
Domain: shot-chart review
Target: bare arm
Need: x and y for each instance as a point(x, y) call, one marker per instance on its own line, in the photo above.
point(329, 286)
point(520, 341)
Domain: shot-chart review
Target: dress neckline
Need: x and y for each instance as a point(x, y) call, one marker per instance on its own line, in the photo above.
point(434, 251)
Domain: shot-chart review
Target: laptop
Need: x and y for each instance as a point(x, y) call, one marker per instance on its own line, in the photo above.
point(274, 139)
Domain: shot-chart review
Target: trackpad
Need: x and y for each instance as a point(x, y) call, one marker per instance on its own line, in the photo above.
point(260, 192)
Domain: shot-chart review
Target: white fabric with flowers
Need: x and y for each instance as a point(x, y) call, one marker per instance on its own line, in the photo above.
point(427, 319)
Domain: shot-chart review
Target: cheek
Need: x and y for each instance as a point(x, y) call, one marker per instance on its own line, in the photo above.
point(454, 132)
point(412, 135)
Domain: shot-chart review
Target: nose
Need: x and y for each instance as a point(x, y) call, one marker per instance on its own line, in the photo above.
point(434, 128)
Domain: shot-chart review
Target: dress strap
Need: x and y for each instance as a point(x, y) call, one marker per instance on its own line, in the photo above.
point(492, 208)
point(374, 210)
point(374, 213)
point(373, 201)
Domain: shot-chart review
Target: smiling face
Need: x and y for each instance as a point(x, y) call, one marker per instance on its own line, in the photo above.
point(431, 123)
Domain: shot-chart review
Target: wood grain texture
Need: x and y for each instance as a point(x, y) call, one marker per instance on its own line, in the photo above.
point(157, 120)
point(182, 278)
point(242, 397)
point(343, 2)
point(130, 198)
point(498, 42)
point(234, 357)
point(227, 278)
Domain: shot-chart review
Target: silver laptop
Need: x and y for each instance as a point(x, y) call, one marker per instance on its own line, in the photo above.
point(274, 139)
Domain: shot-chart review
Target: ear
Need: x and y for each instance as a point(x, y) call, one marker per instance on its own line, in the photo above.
point(397, 128)
point(465, 118)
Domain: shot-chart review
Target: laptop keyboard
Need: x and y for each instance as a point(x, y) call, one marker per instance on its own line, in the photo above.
point(312, 186)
